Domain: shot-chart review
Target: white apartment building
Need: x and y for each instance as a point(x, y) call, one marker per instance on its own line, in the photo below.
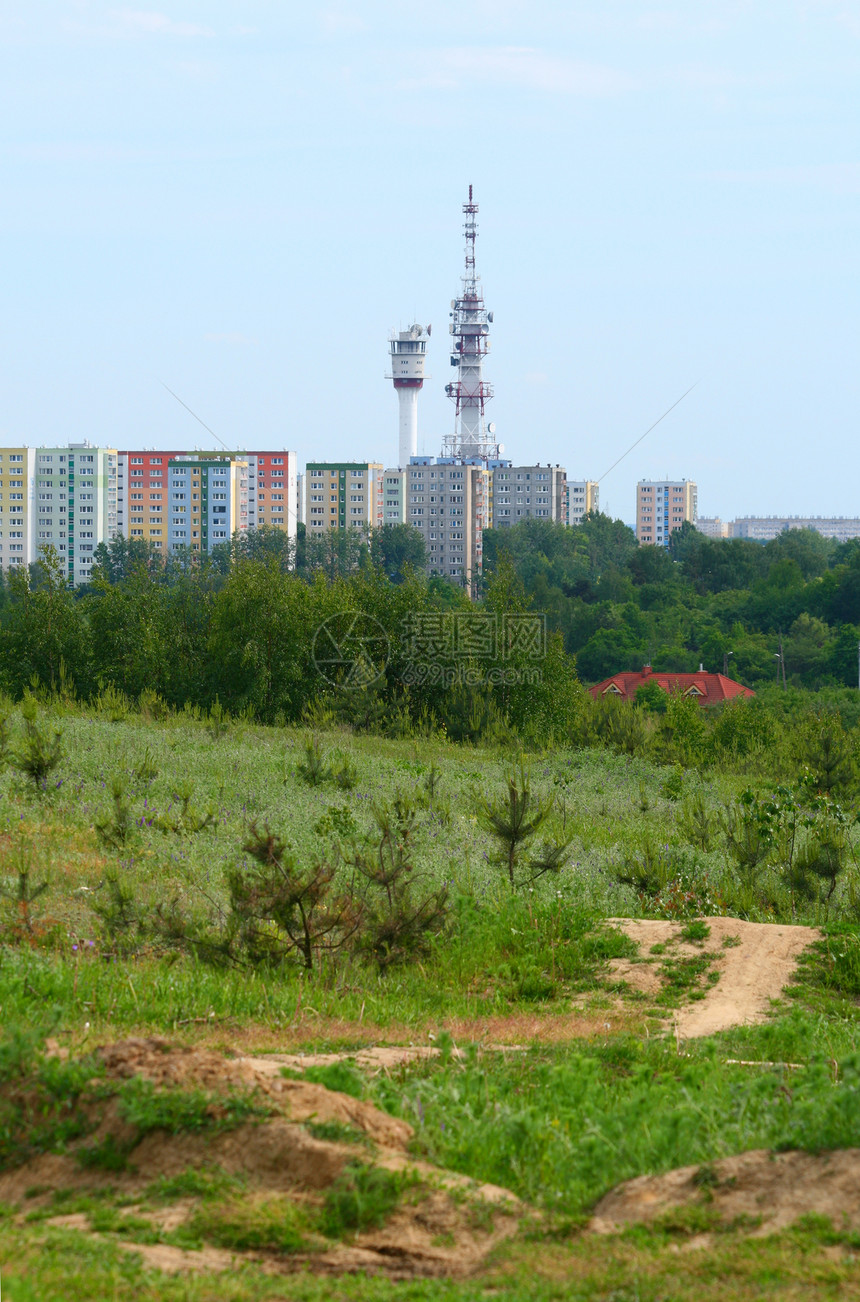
point(581, 497)
point(449, 501)
point(75, 504)
point(394, 496)
point(714, 527)
point(763, 528)
point(526, 492)
point(662, 506)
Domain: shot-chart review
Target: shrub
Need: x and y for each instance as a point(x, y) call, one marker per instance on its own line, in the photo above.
point(182, 817)
point(218, 723)
point(146, 770)
point(697, 823)
point(120, 914)
point(819, 864)
point(314, 768)
point(21, 891)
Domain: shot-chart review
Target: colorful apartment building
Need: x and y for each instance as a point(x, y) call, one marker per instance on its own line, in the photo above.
point(17, 490)
point(218, 501)
point(662, 506)
point(272, 490)
point(342, 495)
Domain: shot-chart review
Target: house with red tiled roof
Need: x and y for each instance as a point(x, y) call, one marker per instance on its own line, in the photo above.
point(707, 689)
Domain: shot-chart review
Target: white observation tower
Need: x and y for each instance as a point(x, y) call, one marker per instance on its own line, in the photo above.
point(408, 351)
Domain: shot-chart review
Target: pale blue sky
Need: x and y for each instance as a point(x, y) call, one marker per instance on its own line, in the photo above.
point(242, 200)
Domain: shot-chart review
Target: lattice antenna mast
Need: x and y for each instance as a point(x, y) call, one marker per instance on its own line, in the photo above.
point(470, 328)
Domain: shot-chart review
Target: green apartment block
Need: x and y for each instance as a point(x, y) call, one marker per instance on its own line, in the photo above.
point(342, 495)
point(74, 504)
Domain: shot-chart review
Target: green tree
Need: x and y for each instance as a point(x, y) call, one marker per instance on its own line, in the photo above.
point(395, 547)
point(44, 635)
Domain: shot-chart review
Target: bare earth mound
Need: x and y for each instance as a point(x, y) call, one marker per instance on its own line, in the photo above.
point(284, 1166)
point(751, 963)
point(767, 1190)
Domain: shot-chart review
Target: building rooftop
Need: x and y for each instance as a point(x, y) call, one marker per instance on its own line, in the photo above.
point(708, 689)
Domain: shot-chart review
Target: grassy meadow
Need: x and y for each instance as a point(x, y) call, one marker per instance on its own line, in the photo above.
point(118, 920)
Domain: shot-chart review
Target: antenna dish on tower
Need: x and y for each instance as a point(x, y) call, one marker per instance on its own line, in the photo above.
point(470, 327)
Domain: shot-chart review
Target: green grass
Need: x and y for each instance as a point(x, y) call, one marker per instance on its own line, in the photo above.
point(557, 1124)
point(361, 1198)
point(813, 1262)
point(275, 1224)
point(561, 1126)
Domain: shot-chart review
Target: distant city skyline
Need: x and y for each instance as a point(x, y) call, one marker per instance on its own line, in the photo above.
point(243, 200)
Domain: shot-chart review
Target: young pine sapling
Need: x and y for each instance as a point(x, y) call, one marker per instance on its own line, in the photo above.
point(21, 891)
point(117, 828)
point(514, 820)
point(278, 907)
point(41, 747)
point(398, 921)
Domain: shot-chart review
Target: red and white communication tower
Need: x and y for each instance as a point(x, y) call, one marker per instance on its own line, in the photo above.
point(470, 328)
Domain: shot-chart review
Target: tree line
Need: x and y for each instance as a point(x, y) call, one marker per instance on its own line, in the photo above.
point(731, 604)
point(254, 633)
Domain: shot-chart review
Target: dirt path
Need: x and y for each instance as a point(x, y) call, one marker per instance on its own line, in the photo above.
point(754, 962)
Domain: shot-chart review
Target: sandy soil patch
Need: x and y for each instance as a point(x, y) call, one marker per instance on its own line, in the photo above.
point(755, 961)
point(444, 1224)
point(769, 1190)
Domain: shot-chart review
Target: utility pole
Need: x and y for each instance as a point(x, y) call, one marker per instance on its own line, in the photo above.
point(782, 662)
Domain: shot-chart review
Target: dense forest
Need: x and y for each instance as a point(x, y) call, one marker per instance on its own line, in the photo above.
point(726, 603)
point(239, 627)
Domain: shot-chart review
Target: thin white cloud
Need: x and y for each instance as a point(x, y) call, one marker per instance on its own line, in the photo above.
point(709, 77)
point(515, 66)
point(839, 178)
point(99, 151)
point(339, 22)
point(686, 22)
point(143, 22)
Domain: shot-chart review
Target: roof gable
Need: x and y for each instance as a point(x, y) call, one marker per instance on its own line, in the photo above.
point(708, 689)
